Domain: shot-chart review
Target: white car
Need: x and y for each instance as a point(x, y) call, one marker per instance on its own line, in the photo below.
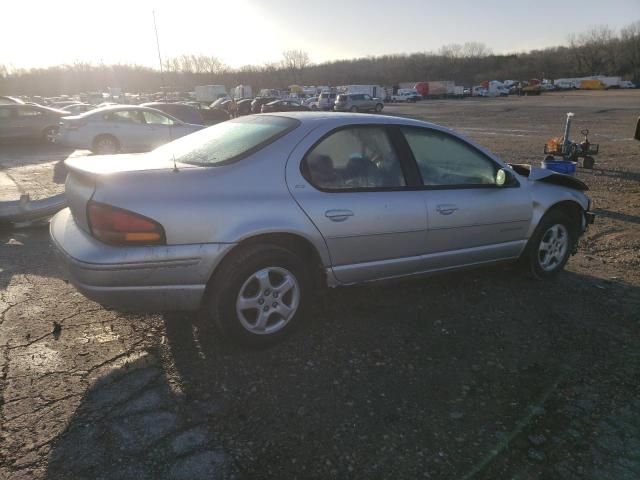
point(121, 128)
point(311, 102)
point(406, 96)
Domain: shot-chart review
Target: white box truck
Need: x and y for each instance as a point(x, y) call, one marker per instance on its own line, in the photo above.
point(375, 91)
point(242, 91)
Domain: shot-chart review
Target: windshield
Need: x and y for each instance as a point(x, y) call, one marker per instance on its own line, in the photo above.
point(227, 141)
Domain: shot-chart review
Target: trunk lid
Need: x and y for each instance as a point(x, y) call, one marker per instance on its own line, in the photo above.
point(86, 173)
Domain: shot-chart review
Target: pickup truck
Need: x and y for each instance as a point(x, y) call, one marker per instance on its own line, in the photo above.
point(406, 96)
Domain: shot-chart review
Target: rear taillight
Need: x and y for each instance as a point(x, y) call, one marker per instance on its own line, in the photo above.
point(121, 227)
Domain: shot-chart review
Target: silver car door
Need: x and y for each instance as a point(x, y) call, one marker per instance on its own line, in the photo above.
point(162, 129)
point(128, 127)
point(30, 121)
point(351, 184)
point(470, 218)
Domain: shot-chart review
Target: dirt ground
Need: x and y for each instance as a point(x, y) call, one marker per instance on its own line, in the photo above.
point(484, 374)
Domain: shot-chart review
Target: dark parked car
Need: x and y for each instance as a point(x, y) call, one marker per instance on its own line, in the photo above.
point(284, 106)
point(214, 115)
point(258, 102)
point(221, 103)
point(29, 121)
point(186, 113)
point(243, 107)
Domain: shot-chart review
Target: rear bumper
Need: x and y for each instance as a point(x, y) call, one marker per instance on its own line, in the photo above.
point(153, 278)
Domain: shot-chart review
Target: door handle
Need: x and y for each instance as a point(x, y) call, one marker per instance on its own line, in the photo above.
point(338, 215)
point(446, 209)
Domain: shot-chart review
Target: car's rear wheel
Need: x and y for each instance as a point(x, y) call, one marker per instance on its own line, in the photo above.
point(378, 107)
point(49, 134)
point(258, 294)
point(550, 246)
point(105, 145)
point(353, 109)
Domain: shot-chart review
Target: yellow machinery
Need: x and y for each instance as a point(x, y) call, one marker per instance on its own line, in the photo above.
point(592, 85)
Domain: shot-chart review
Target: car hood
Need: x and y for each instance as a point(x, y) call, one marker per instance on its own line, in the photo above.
point(538, 174)
point(134, 162)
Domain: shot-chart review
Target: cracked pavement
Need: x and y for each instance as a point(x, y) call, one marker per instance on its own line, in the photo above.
point(483, 374)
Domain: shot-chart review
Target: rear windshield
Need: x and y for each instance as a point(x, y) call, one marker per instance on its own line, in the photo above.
point(228, 141)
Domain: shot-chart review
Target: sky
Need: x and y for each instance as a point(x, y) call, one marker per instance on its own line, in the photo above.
point(241, 32)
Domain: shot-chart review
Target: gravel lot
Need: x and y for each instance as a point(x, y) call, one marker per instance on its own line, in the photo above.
point(485, 374)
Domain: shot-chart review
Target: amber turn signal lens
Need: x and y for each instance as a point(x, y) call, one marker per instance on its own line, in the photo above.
point(117, 226)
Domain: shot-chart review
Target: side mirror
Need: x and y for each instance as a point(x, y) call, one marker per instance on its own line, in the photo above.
point(637, 135)
point(503, 177)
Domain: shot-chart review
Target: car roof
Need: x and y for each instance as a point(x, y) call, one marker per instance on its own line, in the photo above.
point(343, 118)
point(116, 108)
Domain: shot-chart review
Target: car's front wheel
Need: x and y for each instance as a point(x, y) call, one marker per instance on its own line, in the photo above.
point(550, 245)
point(258, 295)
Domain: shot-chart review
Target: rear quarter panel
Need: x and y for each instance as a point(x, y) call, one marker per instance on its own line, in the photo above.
point(224, 204)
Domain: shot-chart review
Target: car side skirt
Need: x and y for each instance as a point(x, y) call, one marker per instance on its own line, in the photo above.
point(425, 264)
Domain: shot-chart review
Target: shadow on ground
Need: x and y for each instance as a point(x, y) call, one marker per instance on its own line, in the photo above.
point(22, 252)
point(451, 376)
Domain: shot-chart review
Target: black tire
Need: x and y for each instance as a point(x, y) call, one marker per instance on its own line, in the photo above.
point(232, 276)
point(353, 109)
point(49, 133)
point(379, 107)
point(588, 162)
point(101, 142)
point(534, 257)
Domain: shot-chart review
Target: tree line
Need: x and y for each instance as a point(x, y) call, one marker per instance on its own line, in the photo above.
point(598, 50)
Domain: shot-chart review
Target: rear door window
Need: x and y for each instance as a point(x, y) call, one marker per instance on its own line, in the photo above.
point(125, 116)
point(354, 158)
point(153, 118)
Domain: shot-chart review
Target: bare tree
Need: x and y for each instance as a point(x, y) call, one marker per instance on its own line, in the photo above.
point(295, 61)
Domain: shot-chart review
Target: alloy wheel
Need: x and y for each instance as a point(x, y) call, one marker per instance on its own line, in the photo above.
point(553, 247)
point(268, 300)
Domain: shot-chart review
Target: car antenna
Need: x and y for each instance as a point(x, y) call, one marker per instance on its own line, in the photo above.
point(162, 84)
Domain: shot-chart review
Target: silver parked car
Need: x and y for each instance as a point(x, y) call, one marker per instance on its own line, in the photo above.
point(118, 128)
point(249, 218)
point(18, 120)
point(357, 102)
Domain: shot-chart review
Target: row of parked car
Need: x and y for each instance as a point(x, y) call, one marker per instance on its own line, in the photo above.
point(111, 128)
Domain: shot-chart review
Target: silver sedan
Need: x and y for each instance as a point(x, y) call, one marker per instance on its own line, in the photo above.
point(249, 218)
point(118, 128)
